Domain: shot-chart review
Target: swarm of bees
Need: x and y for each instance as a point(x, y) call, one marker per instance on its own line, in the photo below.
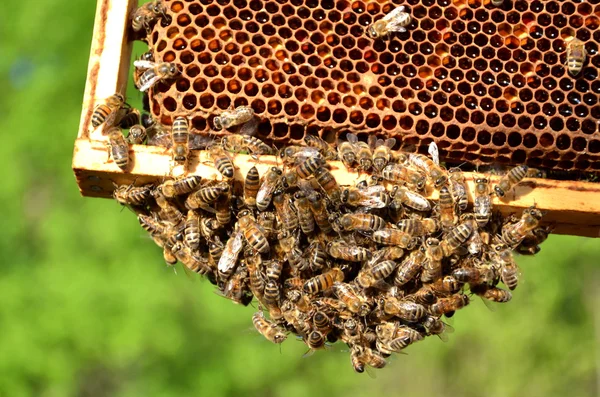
point(375, 265)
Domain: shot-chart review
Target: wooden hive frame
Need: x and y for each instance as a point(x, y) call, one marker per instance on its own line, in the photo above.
point(573, 207)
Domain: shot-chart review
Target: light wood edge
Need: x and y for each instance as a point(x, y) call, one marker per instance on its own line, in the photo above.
point(110, 57)
point(572, 207)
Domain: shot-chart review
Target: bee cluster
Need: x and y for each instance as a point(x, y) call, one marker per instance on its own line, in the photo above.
point(375, 265)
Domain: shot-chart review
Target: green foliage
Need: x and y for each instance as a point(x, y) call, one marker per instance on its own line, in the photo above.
point(88, 307)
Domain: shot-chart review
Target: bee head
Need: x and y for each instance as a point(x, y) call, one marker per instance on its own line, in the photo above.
point(345, 195)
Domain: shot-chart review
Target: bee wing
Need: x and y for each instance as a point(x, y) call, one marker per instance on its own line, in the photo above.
point(155, 79)
point(434, 153)
point(394, 13)
point(390, 142)
point(250, 127)
point(230, 254)
point(352, 138)
point(200, 142)
point(161, 140)
point(143, 64)
point(372, 141)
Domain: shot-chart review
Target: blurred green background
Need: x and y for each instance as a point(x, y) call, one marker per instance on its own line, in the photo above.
point(88, 308)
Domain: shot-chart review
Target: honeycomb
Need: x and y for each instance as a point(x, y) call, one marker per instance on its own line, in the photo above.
point(487, 84)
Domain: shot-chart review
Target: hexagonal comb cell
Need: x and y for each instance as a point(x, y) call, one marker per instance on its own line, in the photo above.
point(465, 74)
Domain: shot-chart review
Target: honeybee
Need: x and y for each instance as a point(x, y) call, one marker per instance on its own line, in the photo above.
point(410, 267)
point(482, 206)
point(255, 278)
point(137, 135)
point(110, 108)
point(449, 304)
point(223, 209)
point(119, 148)
point(305, 216)
point(351, 222)
point(497, 3)
point(129, 119)
point(229, 257)
point(293, 283)
point(297, 154)
point(236, 288)
point(270, 182)
point(244, 143)
point(395, 21)
point(432, 170)
point(222, 161)
point(432, 267)
point(232, 118)
point(203, 197)
point(153, 73)
point(152, 226)
point(530, 245)
point(323, 281)
point(363, 355)
point(269, 330)
point(178, 187)
point(251, 186)
point(576, 54)
point(302, 302)
point(327, 181)
point(403, 337)
point(446, 208)
point(410, 199)
point(272, 295)
point(181, 139)
point(308, 167)
point(341, 250)
point(253, 235)
point(493, 294)
point(319, 210)
point(169, 212)
point(208, 226)
point(435, 326)
point(321, 321)
point(394, 237)
point(317, 256)
point(354, 302)
point(406, 310)
point(215, 250)
point(510, 180)
point(509, 272)
point(474, 275)
point(132, 195)
point(191, 260)
point(326, 150)
point(315, 340)
point(369, 276)
point(382, 153)
point(455, 238)
point(192, 230)
point(400, 174)
point(458, 188)
point(536, 173)
point(513, 234)
point(371, 197)
point(419, 227)
point(347, 151)
point(286, 214)
point(146, 14)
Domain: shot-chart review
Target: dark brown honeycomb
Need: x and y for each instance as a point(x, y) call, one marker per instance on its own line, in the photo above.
point(487, 84)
